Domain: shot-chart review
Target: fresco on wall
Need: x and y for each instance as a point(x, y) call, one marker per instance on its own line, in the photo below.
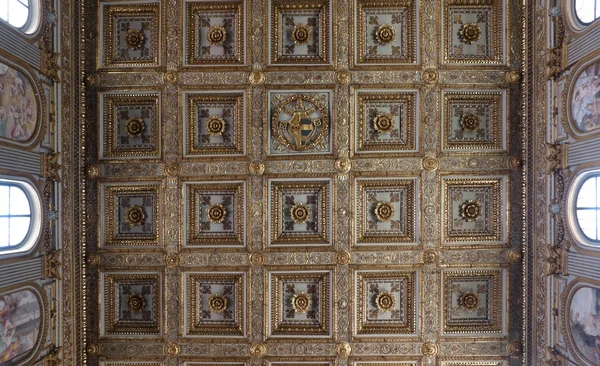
point(585, 323)
point(585, 103)
point(18, 108)
point(19, 326)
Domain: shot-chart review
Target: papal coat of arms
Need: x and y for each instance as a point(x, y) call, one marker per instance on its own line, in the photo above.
point(300, 122)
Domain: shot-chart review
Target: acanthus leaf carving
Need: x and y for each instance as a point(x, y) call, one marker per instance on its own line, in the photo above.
point(51, 166)
point(557, 261)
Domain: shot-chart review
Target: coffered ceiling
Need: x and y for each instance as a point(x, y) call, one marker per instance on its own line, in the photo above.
point(307, 181)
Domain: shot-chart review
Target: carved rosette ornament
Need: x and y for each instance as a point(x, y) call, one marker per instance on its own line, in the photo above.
point(429, 76)
point(171, 77)
point(343, 165)
point(300, 34)
point(215, 125)
point(385, 301)
point(217, 303)
point(257, 350)
point(343, 349)
point(134, 127)
point(216, 35)
point(343, 77)
point(470, 210)
point(93, 260)
point(384, 211)
point(173, 169)
point(430, 163)
point(134, 39)
point(515, 163)
point(135, 303)
point(172, 349)
point(342, 257)
point(383, 123)
point(301, 302)
point(92, 80)
point(135, 216)
point(256, 168)
point(514, 256)
point(429, 349)
point(172, 260)
point(92, 349)
point(513, 77)
point(256, 78)
point(514, 349)
point(468, 301)
point(257, 259)
point(385, 34)
point(469, 122)
point(93, 171)
point(216, 213)
point(300, 213)
point(470, 33)
point(430, 256)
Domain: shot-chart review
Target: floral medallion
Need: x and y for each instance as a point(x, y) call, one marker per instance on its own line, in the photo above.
point(135, 216)
point(470, 210)
point(469, 301)
point(385, 34)
point(300, 213)
point(215, 125)
point(469, 122)
point(216, 35)
point(134, 127)
point(383, 122)
point(384, 211)
point(217, 303)
point(301, 302)
point(135, 302)
point(134, 39)
point(385, 301)
point(216, 213)
point(301, 34)
point(470, 33)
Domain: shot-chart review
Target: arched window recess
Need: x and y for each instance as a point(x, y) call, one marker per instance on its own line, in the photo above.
point(587, 11)
point(21, 14)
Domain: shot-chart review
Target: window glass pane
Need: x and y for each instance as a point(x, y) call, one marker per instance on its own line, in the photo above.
point(4, 9)
point(587, 194)
point(3, 198)
point(587, 222)
point(19, 226)
point(585, 10)
point(17, 13)
point(3, 232)
point(24, 2)
point(19, 204)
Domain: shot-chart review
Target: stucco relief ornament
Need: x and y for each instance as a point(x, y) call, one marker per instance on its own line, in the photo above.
point(215, 125)
point(514, 256)
point(342, 257)
point(470, 210)
point(430, 256)
point(514, 349)
point(301, 302)
point(385, 301)
point(256, 78)
point(385, 34)
point(135, 216)
point(93, 171)
point(257, 259)
point(134, 39)
point(172, 260)
point(429, 76)
point(300, 122)
point(257, 350)
point(171, 77)
point(343, 349)
point(384, 211)
point(343, 77)
point(383, 122)
point(92, 349)
point(173, 169)
point(216, 35)
point(470, 33)
point(429, 349)
point(216, 213)
point(468, 301)
point(172, 349)
point(134, 127)
point(135, 303)
point(513, 77)
point(217, 303)
point(469, 122)
point(300, 213)
point(256, 168)
point(301, 34)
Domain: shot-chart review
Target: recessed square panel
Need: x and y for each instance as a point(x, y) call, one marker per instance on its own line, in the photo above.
point(385, 211)
point(385, 32)
point(214, 214)
point(472, 33)
point(215, 33)
point(215, 304)
point(385, 121)
point(472, 211)
point(300, 122)
point(215, 123)
point(300, 213)
point(130, 125)
point(299, 304)
point(474, 120)
point(130, 34)
point(300, 32)
point(473, 301)
point(131, 304)
point(130, 215)
point(385, 303)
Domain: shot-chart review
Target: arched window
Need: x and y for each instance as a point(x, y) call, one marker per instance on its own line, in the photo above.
point(21, 14)
point(587, 208)
point(587, 10)
point(20, 216)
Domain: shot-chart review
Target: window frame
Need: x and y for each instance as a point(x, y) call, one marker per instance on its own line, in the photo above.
point(581, 22)
point(580, 237)
point(31, 240)
point(32, 25)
